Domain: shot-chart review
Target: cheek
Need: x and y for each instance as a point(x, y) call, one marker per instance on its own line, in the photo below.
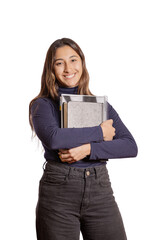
point(58, 71)
point(79, 68)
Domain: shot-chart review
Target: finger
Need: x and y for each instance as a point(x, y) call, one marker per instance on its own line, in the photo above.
point(63, 151)
point(71, 161)
point(66, 156)
point(110, 121)
point(67, 160)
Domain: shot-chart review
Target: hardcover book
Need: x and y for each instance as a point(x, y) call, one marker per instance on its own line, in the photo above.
point(79, 111)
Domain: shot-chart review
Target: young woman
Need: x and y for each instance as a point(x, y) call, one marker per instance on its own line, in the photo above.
point(75, 192)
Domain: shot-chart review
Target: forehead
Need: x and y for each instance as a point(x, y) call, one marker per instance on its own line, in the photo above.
point(65, 52)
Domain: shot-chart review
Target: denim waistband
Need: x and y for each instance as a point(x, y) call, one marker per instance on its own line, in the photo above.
point(79, 172)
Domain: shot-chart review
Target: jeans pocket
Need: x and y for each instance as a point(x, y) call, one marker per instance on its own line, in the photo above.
point(104, 180)
point(54, 178)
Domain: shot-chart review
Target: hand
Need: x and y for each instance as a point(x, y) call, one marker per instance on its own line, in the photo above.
point(108, 130)
point(74, 154)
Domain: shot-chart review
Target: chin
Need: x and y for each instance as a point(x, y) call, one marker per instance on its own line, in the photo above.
point(72, 85)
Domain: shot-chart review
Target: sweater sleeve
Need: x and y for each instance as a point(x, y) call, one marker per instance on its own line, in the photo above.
point(52, 136)
point(123, 144)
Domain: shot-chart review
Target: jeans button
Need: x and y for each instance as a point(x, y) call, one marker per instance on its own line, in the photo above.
point(87, 173)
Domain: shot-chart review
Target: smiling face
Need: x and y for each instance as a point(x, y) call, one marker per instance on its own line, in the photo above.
point(67, 66)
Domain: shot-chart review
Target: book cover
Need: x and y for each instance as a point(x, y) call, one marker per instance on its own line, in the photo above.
point(82, 110)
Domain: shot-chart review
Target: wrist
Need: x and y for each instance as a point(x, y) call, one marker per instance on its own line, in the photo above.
point(88, 149)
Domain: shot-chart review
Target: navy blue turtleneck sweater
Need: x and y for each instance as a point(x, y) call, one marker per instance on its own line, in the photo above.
point(47, 121)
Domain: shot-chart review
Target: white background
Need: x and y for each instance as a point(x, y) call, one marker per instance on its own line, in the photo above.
point(121, 42)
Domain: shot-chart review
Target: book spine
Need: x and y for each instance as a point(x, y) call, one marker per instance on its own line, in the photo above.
point(61, 110)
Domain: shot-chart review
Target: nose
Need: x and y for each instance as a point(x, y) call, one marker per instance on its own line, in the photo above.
point(67, 68)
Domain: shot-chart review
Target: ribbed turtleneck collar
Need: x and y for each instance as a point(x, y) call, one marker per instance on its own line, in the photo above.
point(65, 90)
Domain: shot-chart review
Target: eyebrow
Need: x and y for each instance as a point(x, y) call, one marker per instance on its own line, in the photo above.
point(63, 59)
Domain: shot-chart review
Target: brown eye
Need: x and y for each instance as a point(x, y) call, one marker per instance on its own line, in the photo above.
point(58, 64)
point(74, 60)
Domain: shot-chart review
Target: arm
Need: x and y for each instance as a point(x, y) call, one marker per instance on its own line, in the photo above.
point(74, 154)
point(78, 153)
point(123, 144)
point(52, 136)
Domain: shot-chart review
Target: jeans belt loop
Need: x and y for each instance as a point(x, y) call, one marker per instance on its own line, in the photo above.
point(95, 173)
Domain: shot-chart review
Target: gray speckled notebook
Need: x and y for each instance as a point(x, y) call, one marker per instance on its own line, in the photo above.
point(78, 111)
point(83, 114)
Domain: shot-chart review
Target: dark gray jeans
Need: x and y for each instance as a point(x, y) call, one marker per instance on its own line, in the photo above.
point(77, 199)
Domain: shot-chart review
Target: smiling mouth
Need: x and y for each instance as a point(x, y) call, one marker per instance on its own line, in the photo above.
point(70, 76)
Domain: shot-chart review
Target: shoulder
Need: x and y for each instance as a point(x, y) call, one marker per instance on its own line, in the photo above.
point(43, 104)
point(109, 107)
point(42, 100)
point(111, 111)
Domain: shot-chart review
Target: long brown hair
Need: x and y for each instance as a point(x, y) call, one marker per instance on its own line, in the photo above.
point(49, 83)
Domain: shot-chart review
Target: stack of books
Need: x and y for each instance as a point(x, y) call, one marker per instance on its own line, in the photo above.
point(78, 111)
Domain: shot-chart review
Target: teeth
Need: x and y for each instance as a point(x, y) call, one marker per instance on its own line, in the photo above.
point(70, 76)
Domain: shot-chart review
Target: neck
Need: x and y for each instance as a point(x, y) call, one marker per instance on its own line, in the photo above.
point(65, 90)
